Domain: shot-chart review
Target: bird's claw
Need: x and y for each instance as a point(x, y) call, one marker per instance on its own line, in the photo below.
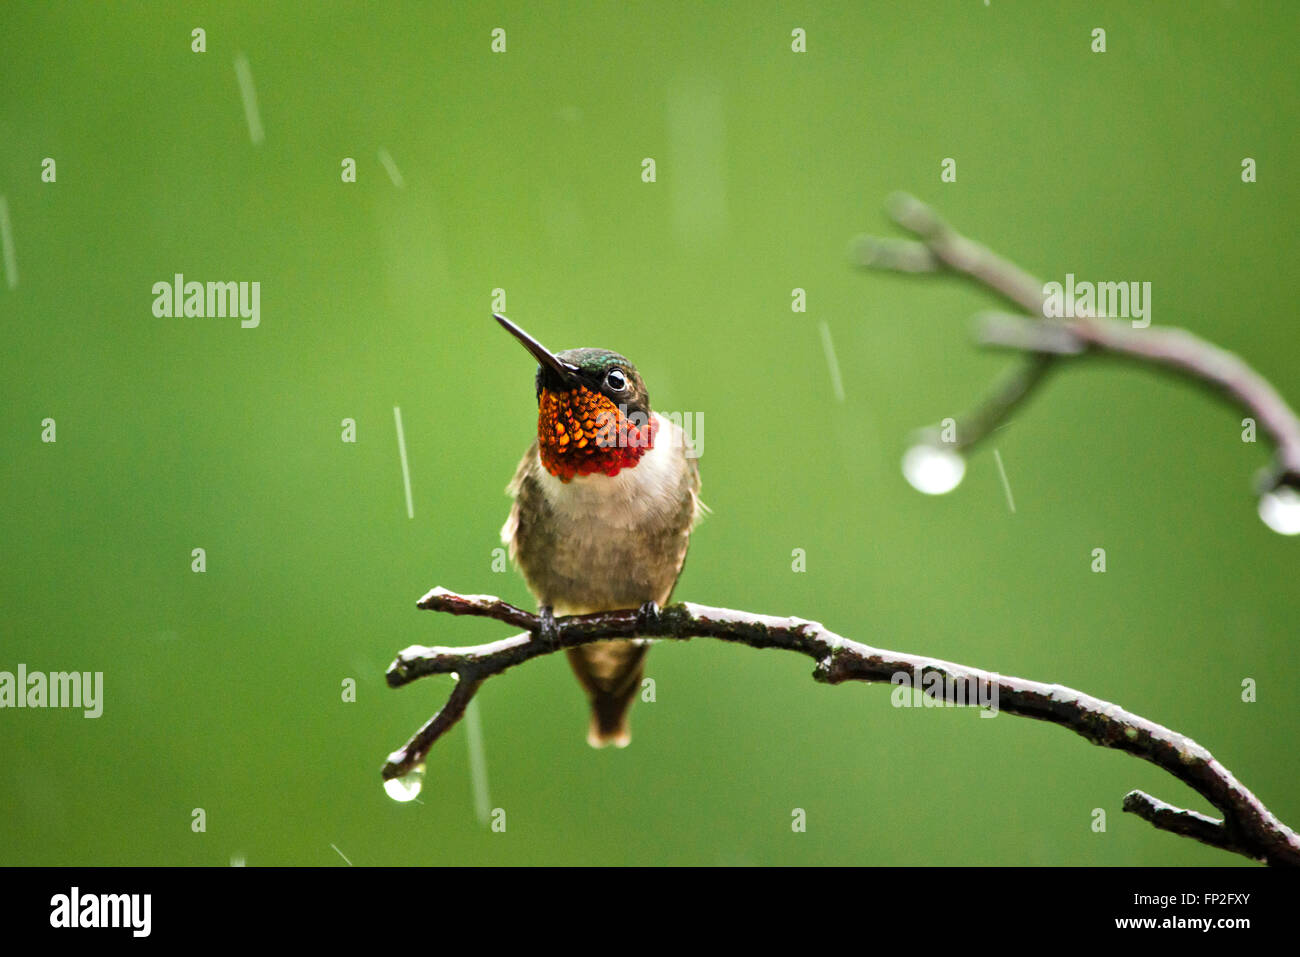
point(647, 617)
point(548, 631)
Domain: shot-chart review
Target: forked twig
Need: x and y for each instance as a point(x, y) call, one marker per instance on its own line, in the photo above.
point(1247, 826)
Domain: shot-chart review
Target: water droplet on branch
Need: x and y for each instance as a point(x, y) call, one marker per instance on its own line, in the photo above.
point(933, 469)
point(1280, 510)
point(407, 787)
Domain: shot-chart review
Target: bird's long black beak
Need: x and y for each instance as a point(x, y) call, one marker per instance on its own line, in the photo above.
point(545, 358)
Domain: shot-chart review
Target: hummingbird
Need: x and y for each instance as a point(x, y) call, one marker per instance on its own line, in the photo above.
point(604, 503)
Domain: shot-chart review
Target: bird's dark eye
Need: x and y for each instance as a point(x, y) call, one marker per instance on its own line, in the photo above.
point(616, 380)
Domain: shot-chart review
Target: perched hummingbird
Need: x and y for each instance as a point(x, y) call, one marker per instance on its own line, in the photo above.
point(605, 499)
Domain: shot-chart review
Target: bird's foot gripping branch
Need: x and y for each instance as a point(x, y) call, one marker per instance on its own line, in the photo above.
point(1246, 827)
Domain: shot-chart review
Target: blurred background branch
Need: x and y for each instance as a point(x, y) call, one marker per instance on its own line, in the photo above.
point(940, 248)
point(1247, 826)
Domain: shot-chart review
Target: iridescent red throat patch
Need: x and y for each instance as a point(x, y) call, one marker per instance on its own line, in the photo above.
point(580, 432)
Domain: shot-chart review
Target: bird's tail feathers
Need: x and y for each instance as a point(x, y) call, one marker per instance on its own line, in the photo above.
point(611, 673)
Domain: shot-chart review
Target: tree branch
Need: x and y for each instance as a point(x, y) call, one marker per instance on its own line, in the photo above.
point(1180, 821)
point(940, 248)
point(1247, 827)
point(1176, 350)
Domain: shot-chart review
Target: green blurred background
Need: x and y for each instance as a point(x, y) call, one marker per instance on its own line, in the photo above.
point(522, 171)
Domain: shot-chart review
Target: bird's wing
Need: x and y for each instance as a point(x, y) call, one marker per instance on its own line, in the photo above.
point(522, 488)
point(693, 476)
point(693, 510)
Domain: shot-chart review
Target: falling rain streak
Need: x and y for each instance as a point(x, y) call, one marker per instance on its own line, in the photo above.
point(406, 471)
point(7, 245)
point(477, 763)
point(244, 73)
point(836, 383)
point(1006, 486)
point(391, 168)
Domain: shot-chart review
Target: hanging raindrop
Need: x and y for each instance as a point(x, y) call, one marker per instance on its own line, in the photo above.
point(1280, 510)
point(933, 469)
point(407, 787)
